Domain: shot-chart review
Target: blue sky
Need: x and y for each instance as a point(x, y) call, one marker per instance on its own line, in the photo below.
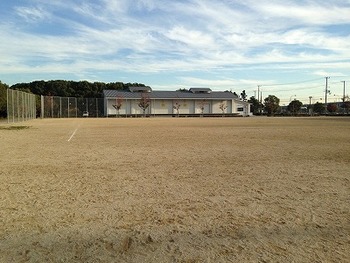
point(287, 47)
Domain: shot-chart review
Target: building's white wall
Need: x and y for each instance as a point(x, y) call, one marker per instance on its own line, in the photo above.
point(110, 109)
point(187, 107)
point(135, 109)
point(162, 107)
point(125, 108)
point(241, 107)
point(217, 103)
point(130, 106)
point(216, 106)
point(229, 106)
point(205, 103)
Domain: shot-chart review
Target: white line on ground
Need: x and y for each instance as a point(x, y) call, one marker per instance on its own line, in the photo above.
point(72, 134)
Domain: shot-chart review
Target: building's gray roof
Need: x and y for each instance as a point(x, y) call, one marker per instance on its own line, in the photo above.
point(170, 95)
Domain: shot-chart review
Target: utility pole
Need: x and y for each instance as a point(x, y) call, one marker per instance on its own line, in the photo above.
point(310, 107)
point(326, 92)
point(259, 106)
point(261, 101)
point(344, 96)
point(344, 90)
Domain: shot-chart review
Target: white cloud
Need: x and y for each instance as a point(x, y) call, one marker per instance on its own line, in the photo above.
point(324, 73)
point(32, 14)
point(157, 36)
point(309, 12)
point(191, 38)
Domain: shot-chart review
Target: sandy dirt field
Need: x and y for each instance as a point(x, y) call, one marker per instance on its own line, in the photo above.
point(176, 190)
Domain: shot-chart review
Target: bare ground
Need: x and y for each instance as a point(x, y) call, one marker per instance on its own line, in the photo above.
point(176, 190)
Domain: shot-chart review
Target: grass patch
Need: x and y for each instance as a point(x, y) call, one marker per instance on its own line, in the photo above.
point(14, 128)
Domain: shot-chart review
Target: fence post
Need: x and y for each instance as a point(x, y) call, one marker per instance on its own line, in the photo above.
point(13, 106)
point(96, 108)
point(7, 105)
point(26, 105)
point(42, 103)
point(23, 106)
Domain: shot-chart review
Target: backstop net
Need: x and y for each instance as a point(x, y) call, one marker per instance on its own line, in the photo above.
point(21, 106)
point(69, 107)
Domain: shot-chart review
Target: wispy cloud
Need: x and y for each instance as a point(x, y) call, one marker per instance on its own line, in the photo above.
point(225, 37)
point(31, 14)
point(305, 12)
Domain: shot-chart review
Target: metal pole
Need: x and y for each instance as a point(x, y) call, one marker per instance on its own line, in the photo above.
point(60, 107)
point(326, 93)
point(41, 106)
point(51, 106)
point(96, 101)
point(17, 94)
point(27, 105)
point(7, 105)
point(344, 82)
point(13, 107)
point(344, 90)
point(23, 105)
point(261, 101)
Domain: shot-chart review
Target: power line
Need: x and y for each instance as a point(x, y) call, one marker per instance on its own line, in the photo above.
point(291, 83)
point(304, 88)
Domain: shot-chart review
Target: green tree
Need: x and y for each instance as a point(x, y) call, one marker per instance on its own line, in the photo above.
point(332, 108)
point(64, 88)
point(346, 106)
point(244, 96)
point(294, 106)
point(255, 105)
point(3, 100)
point(319, 108)
point(271, 105)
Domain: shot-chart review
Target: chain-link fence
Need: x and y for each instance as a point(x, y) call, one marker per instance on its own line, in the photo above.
point(68, 107)
point(21, 106)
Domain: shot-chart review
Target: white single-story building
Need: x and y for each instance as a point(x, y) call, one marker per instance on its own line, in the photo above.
point(192, 102)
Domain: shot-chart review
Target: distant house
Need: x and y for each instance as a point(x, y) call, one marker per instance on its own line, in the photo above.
point(192, 102)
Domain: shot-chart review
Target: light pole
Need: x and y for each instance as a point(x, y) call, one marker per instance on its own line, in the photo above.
point(344, 90)
point(326, 91)
point(310, 108)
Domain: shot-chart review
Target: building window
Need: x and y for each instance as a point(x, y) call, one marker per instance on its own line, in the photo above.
point(240, 109)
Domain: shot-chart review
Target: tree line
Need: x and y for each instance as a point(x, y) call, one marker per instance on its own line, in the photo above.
point(3, 98)
point(78, 89)
point(271, 107)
